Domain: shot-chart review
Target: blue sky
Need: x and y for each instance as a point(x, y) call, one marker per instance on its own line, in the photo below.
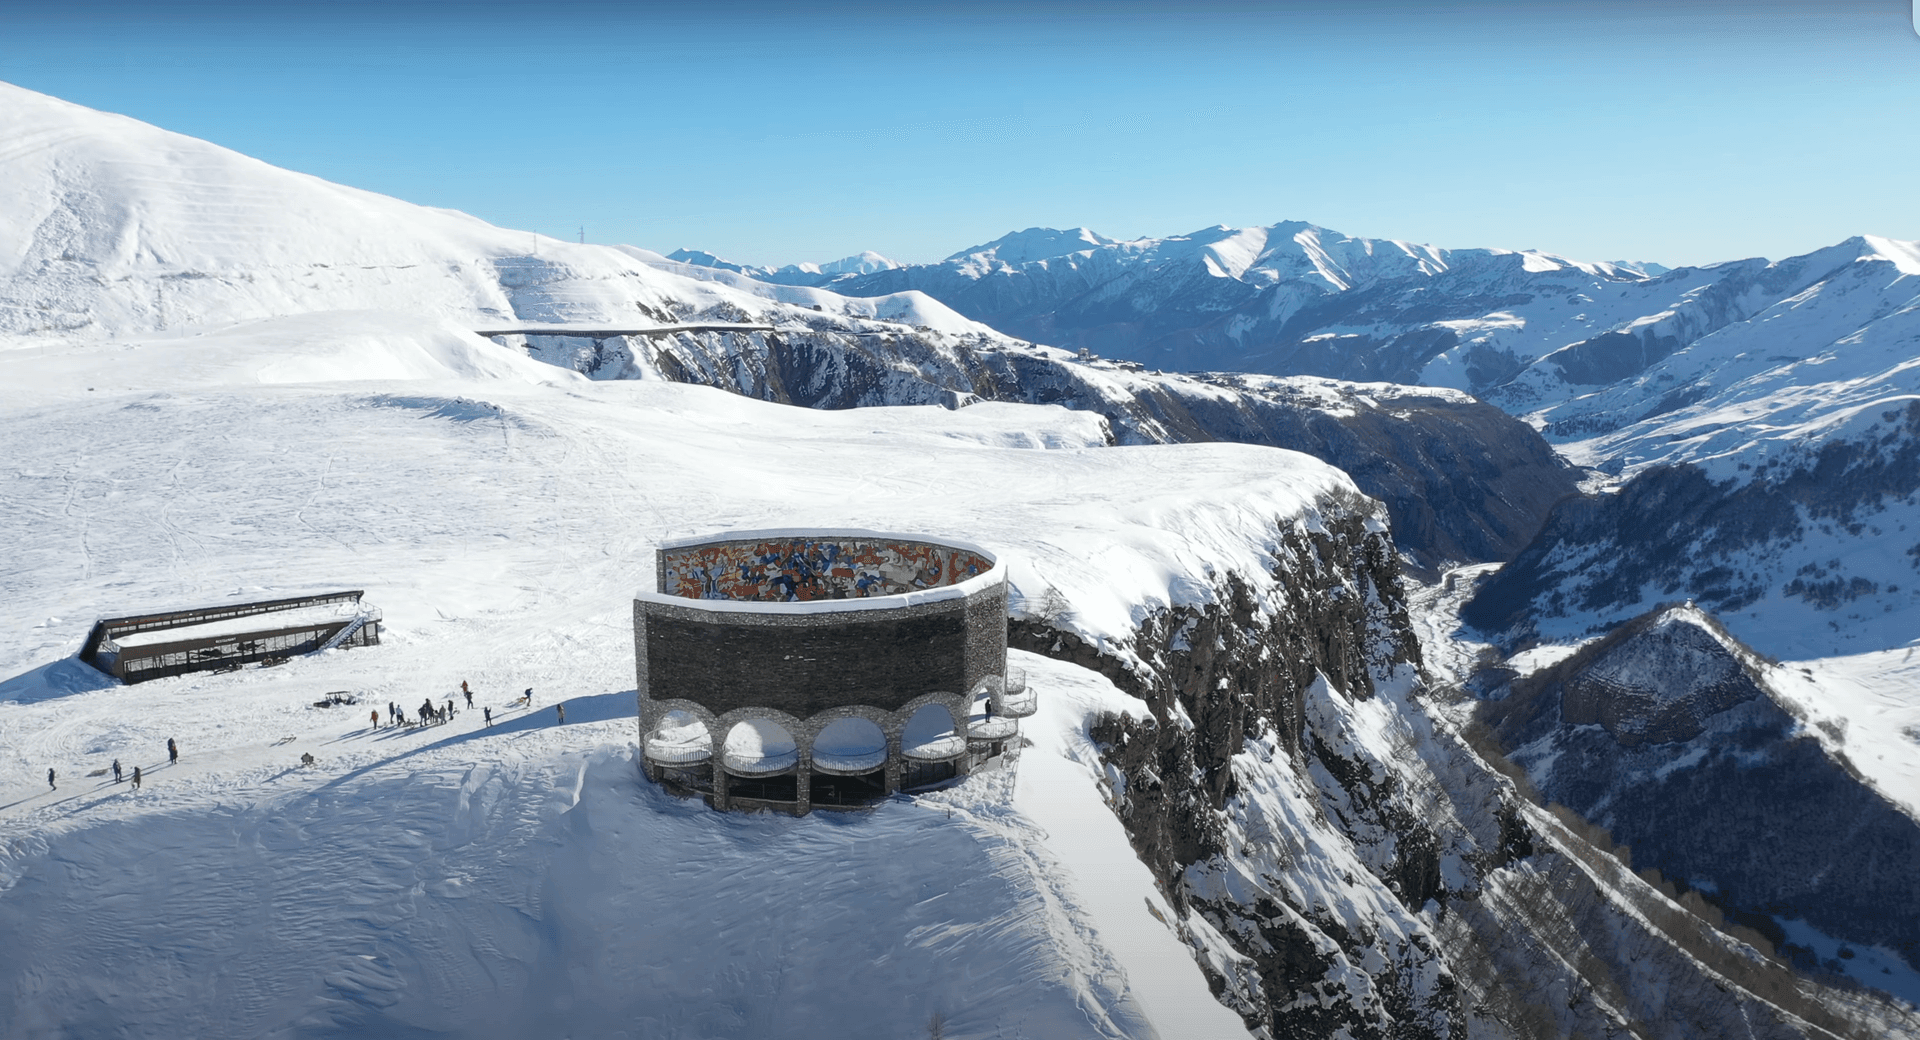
point(1682, 132)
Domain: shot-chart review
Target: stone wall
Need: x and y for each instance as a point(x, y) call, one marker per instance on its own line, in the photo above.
point(804, 663)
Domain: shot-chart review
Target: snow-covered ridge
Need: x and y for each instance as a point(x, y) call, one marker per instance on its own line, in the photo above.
point(111, 227)
point(864, 262)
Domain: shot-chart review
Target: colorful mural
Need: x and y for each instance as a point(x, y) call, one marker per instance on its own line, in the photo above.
point(783, 570)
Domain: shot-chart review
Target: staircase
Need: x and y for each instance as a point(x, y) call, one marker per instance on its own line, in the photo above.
point(359, 622)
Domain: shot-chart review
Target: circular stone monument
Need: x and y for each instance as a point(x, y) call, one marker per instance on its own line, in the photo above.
point(801, 668)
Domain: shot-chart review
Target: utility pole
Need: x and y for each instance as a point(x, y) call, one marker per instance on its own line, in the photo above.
point(583, 234)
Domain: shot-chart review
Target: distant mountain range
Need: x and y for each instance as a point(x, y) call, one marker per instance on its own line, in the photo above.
point(1783, 390)
point(792, 274)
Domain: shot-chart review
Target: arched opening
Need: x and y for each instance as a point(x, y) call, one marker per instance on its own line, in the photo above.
point(849, 763)
point(679, 738)
point(931, 747)
point(759, 757)
point(680, 746)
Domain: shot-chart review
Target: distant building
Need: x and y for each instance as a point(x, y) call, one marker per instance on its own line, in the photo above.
point(205, 639)
point(803, 669)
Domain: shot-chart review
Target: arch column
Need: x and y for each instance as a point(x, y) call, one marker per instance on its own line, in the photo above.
point(803, 770)
point(961, 709)
point(893, 759)
point(722, 781)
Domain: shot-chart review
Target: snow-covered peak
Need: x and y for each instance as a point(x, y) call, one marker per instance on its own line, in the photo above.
point(1035, 243)
point(864, 262)
point(1904, 255)
point(702, 258)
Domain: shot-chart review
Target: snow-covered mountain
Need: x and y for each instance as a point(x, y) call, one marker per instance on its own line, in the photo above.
point(1288, 299)
point(865, 262)
point(1249, 806)
point(1685, 744)
point(109, 226)
point(1773, 469)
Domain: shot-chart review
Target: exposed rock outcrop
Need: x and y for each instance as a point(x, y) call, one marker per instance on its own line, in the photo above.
point(1707, 774)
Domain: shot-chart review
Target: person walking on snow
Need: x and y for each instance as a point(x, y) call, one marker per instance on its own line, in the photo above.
point(529, 698)
point(489, 714)
point(376, 718)
point(136, 778)
point(562, 710)
point(469, 693)
point(50, 784)
point(173, 753)
point(116, 771)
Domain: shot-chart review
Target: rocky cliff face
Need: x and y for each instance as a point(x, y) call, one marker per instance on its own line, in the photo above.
point(1461, 480)
point(1344, 865)
point(1709, 777)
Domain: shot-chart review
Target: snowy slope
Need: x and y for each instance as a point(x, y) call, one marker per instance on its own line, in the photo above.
point(1800, 369)
point(450, 877)
point(109, 226)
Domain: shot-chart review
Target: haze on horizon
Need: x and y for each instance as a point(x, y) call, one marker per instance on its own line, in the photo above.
point(1682, 133)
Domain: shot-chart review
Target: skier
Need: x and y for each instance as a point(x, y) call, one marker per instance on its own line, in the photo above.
point(561, 709)
point(173, 753)
point(489, 714)
point(136, 778)
point(116, 771)
point(50, 784)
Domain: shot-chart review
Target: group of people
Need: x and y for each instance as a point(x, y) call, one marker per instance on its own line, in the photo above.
point(119, 774)
point(429, 714)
